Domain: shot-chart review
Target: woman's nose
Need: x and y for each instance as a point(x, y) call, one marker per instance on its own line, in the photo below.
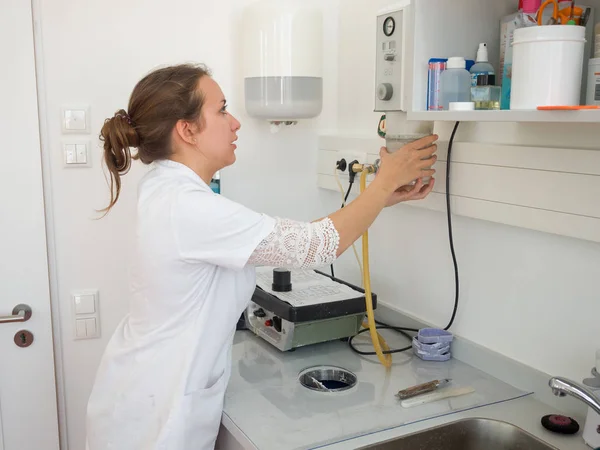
point(235, 124)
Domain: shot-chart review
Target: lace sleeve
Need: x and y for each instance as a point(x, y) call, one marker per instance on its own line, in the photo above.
point(298, 245)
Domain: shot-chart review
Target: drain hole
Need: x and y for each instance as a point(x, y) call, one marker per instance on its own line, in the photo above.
point(327, 379)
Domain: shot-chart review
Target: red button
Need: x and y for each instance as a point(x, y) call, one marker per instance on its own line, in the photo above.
point(268, 323)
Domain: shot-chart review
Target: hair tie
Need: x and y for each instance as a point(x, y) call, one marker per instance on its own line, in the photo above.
point(125, 116)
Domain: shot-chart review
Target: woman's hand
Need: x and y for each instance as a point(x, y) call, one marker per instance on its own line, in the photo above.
point(407, 193)
point(407, 164)
point(397, 170)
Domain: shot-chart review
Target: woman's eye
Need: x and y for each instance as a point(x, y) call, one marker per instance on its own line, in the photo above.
point(224, 109)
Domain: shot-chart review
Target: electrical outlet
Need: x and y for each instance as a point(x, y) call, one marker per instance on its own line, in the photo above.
point(349, 156)
point(327, 172)
point(333, 148)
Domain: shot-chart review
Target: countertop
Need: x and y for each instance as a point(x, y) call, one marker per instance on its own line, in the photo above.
point(267, 408)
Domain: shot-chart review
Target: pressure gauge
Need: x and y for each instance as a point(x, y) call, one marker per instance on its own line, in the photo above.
point(389, 25)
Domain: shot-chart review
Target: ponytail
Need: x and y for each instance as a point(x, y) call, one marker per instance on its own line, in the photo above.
point(118, 135)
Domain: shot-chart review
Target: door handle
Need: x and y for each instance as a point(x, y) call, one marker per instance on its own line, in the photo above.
point(20, 313)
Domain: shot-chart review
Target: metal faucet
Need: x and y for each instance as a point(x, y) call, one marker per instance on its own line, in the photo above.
point(562, 386)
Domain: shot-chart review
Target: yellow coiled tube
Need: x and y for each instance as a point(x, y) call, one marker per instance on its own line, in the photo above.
point(378, 342)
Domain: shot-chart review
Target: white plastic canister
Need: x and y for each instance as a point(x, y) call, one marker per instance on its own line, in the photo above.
point(547, 66)
point(282, 59)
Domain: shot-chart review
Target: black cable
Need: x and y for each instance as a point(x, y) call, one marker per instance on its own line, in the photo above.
point(450, 237)
point(348, 192)
point(403, 330)
point(385, 352)
point(392, 327)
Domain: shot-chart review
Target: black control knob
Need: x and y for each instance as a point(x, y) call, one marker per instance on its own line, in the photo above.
point(282, 280)
point(260, 313)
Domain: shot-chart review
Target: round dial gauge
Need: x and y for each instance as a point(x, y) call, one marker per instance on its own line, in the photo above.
point(389, 25)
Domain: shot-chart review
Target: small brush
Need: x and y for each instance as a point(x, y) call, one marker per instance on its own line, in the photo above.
point(422, 388)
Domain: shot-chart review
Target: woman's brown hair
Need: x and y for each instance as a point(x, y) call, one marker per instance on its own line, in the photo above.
point(157, 103)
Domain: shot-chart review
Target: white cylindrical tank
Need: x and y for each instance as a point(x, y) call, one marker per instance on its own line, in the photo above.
point(547, 66)
point(282, 42)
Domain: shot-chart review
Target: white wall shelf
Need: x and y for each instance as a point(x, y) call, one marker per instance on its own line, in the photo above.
point(441, 29)
point(579, 116)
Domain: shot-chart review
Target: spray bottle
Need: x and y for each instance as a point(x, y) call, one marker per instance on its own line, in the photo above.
point(482, 65)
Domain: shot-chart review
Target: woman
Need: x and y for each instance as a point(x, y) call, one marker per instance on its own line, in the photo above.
point(162, 379)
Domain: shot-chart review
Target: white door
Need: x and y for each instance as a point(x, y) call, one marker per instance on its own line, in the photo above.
point(28, 412)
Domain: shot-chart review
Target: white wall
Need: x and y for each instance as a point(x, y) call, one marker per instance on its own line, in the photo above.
point(525, 294)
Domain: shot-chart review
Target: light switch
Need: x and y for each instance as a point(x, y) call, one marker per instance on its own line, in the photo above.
point(76, 153)
point(70, 154)
point(75, 119)
point(81, 152)
point(85, 304)
point(90, 327)
point(86, 314)
point(80, 328)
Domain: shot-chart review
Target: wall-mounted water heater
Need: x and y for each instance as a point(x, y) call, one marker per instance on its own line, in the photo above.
point(282, 42)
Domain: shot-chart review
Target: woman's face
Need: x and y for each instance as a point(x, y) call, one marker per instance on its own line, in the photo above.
point(218, 129)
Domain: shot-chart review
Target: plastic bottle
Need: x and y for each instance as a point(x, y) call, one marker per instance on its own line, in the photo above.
point(436, 67)
point(455, 82)
point(482, 66)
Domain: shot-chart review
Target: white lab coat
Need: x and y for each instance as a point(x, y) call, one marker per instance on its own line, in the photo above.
point(162, 379)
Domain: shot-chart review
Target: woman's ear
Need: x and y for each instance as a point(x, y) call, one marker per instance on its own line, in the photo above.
point(186, 131)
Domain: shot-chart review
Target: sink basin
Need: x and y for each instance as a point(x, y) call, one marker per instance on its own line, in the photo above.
point(467, 434)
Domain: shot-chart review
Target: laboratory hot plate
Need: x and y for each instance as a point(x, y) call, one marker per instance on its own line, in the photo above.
point(291, 309)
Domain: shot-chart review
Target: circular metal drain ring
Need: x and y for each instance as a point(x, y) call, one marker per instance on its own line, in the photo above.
point(327, 379)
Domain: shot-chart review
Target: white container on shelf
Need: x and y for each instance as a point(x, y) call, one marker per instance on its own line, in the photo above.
point(455, 82)
point(461, 106)
point(547, 66)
